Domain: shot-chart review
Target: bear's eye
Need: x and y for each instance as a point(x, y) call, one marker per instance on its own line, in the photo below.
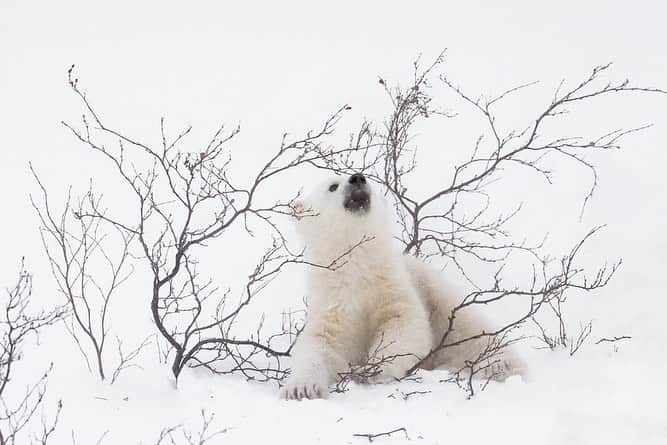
point(333, 187)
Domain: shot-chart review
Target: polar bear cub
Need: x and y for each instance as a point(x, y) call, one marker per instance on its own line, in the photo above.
point(372, 298)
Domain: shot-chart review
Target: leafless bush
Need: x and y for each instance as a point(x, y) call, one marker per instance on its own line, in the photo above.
point(182, 202)
point(17, 324)
point(563, 338)
point(127, 359)
point(585, 331)
point(487, 365)
point(78, 250)
point(389, 157)
point(180, 435)
point(546, 287)
point(467, 231)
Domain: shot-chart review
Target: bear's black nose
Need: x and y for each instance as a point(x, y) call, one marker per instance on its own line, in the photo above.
point(357, 179)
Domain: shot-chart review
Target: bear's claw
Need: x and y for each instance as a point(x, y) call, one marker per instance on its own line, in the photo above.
point(300, 390)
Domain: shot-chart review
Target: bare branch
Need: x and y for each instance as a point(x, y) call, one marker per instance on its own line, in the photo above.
point(373, 436)
point(613, 339)
point(75, 247)
point(17, 323)
point(180, 435)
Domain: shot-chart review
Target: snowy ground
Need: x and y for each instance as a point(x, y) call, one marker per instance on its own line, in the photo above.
point(277, 68)
point(570, 403)
point(601, 399)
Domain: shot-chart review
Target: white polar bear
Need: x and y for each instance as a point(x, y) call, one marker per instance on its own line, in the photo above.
point(372, 299)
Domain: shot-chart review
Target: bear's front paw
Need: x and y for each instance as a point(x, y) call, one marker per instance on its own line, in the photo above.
point(298, 388)
point(503, 369)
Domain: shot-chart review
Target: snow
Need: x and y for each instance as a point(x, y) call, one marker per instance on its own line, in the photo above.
point(571, 400)
point(277, 67)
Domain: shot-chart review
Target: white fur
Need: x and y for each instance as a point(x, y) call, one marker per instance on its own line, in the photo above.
point(375, 297)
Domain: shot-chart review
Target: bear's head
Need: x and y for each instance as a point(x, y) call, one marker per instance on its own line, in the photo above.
point(340, 213)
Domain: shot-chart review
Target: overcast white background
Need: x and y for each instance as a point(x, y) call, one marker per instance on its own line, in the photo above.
point(276, 67)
